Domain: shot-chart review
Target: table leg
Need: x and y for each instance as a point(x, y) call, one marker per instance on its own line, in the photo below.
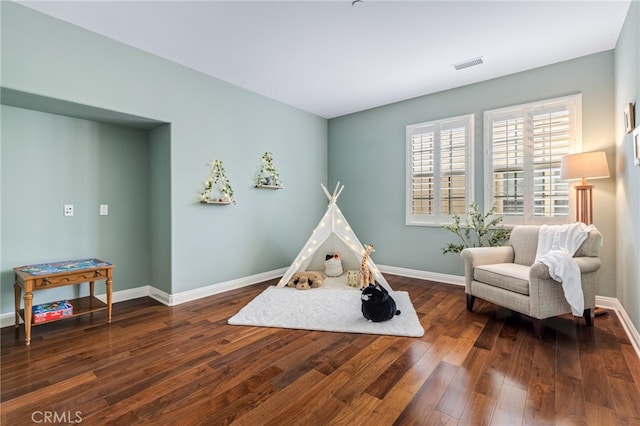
point(91, 294)
point(109, 285)
point(17, 293)
point(28, 301)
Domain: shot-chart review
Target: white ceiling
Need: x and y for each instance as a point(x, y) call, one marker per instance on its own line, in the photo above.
point(332, 58)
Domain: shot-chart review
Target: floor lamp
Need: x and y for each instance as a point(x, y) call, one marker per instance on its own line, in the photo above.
point(586, 165)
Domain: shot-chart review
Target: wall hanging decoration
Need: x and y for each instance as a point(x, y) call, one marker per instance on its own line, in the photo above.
point(629, 119)
point(217, 189)
point(268, 176)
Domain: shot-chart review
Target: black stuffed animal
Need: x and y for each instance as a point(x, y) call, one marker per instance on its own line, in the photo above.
point(377, 304)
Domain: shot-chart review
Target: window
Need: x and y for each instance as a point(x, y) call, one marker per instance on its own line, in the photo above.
point(439, 170)
point(523, 147)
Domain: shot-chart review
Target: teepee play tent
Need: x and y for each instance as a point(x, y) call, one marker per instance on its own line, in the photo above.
point(332, 235)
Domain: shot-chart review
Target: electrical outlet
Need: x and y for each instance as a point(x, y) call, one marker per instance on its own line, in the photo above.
point(104, 209)
point(68, 209)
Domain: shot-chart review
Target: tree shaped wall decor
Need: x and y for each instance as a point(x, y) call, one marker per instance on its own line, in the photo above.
point(217, 189)
point(268, 176)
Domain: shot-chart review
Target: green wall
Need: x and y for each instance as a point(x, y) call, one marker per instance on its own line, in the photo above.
point(627, 78)
point(160, 207)
point(367, 153)
point(190, 245)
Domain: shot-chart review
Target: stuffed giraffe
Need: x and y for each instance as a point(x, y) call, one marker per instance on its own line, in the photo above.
point(365, 272)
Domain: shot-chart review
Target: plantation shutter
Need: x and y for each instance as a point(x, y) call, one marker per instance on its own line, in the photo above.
point(453, 162)
point(423, 170)
point(439, 178)
point(551, 140)
point(508, 166)
point(522, 159)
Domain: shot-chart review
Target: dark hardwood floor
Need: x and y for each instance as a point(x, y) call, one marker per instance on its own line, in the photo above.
point(185, 365)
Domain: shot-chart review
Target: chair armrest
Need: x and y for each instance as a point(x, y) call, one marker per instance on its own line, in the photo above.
point(586, 265)
point(476, 256)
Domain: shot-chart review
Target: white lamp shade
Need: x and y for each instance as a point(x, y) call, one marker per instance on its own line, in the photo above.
point(586, 165)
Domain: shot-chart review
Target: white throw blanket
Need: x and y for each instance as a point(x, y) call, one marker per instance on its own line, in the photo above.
point(556, 246)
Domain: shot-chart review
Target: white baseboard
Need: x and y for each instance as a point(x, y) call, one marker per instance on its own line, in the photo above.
point(159, 295)
point(423, 275)
point(122, 295)
point(614, 304)
point(210, 290)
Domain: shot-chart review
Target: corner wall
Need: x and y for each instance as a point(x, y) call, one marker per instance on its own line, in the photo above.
point(160, 207)
point(627, 90)
point(51, 160)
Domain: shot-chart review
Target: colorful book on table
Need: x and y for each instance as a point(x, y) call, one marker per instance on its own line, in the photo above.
point(51, 311)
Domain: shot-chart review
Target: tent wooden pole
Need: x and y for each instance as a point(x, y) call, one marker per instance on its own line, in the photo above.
point(326, 192)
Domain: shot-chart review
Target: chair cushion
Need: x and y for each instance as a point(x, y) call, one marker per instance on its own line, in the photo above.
point(524, 240)
point(508, 276)
point(590, 246)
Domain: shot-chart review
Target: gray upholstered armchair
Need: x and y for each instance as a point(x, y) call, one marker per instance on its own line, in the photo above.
point(507, 276)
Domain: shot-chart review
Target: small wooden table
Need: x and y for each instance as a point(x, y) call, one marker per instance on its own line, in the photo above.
point(50, 275)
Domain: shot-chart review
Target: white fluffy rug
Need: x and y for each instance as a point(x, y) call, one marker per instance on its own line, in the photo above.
point(325, 309)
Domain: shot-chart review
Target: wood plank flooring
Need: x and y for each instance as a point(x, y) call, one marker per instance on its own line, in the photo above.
point(185, 365)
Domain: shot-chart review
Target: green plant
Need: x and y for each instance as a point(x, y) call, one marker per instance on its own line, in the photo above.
point(480, 230)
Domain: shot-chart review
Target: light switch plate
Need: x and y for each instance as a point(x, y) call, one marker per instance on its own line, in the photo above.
point(104, 209)
point(68, 209)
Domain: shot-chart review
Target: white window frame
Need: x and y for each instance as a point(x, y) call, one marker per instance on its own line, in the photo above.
point(573, 104)
point(438, 219)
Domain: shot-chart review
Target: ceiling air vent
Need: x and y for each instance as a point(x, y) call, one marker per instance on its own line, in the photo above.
point(469, 63)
